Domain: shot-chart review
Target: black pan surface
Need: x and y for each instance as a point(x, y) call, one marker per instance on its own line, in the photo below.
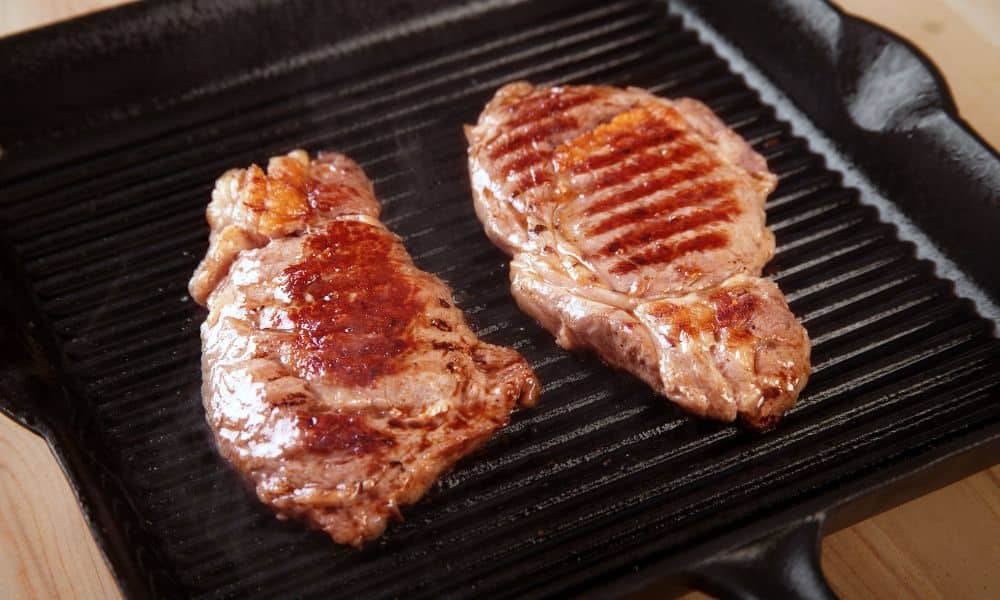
point(122, 121)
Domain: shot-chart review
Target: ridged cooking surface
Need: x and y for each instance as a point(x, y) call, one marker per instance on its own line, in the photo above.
point(602, 474)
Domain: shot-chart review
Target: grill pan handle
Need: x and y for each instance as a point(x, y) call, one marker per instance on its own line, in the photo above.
point(783, 564)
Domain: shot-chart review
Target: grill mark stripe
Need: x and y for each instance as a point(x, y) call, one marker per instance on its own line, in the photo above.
point(681, 199)
point(660, 230)
point(530, 180)
point(518, 165)
point(667, 254)
point(644, 163)
point(533, 109)
point(538, 130)
point(626, 143)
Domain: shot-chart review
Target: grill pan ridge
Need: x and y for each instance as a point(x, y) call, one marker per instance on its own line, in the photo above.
point(603, 484)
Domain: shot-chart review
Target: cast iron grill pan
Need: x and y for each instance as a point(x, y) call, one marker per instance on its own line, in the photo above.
point(599, 480)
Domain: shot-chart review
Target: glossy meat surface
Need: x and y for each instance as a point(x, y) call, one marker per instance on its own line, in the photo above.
point(338, 378)
point(637, 230)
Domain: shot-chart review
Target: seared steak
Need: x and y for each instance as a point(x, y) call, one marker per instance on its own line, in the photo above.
point(637, 230)
point(339, 378)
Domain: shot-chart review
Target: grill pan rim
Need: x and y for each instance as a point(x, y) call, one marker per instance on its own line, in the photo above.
point(38, 362)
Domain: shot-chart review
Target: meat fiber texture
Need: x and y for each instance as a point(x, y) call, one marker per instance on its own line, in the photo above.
point(637, 230)
point(338, 378)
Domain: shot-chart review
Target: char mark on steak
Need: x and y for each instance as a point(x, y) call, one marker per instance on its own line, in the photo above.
point(637, 230)
point(338, 378)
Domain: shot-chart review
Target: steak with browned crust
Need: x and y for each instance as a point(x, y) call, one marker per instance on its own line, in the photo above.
point(338, 378)
point(637, 230)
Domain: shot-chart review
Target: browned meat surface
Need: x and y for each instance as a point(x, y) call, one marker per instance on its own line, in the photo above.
point(637, 230)
point(339, 378)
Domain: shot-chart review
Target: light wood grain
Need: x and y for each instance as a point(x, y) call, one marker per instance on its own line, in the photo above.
point(943, 545)
point(46, 550)
point(18, 15)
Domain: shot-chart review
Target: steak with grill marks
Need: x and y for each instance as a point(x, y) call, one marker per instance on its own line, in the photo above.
point(637, 230)
point(338, 378)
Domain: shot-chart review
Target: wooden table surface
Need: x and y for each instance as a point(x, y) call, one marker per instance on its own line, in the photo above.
point(943, 545)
